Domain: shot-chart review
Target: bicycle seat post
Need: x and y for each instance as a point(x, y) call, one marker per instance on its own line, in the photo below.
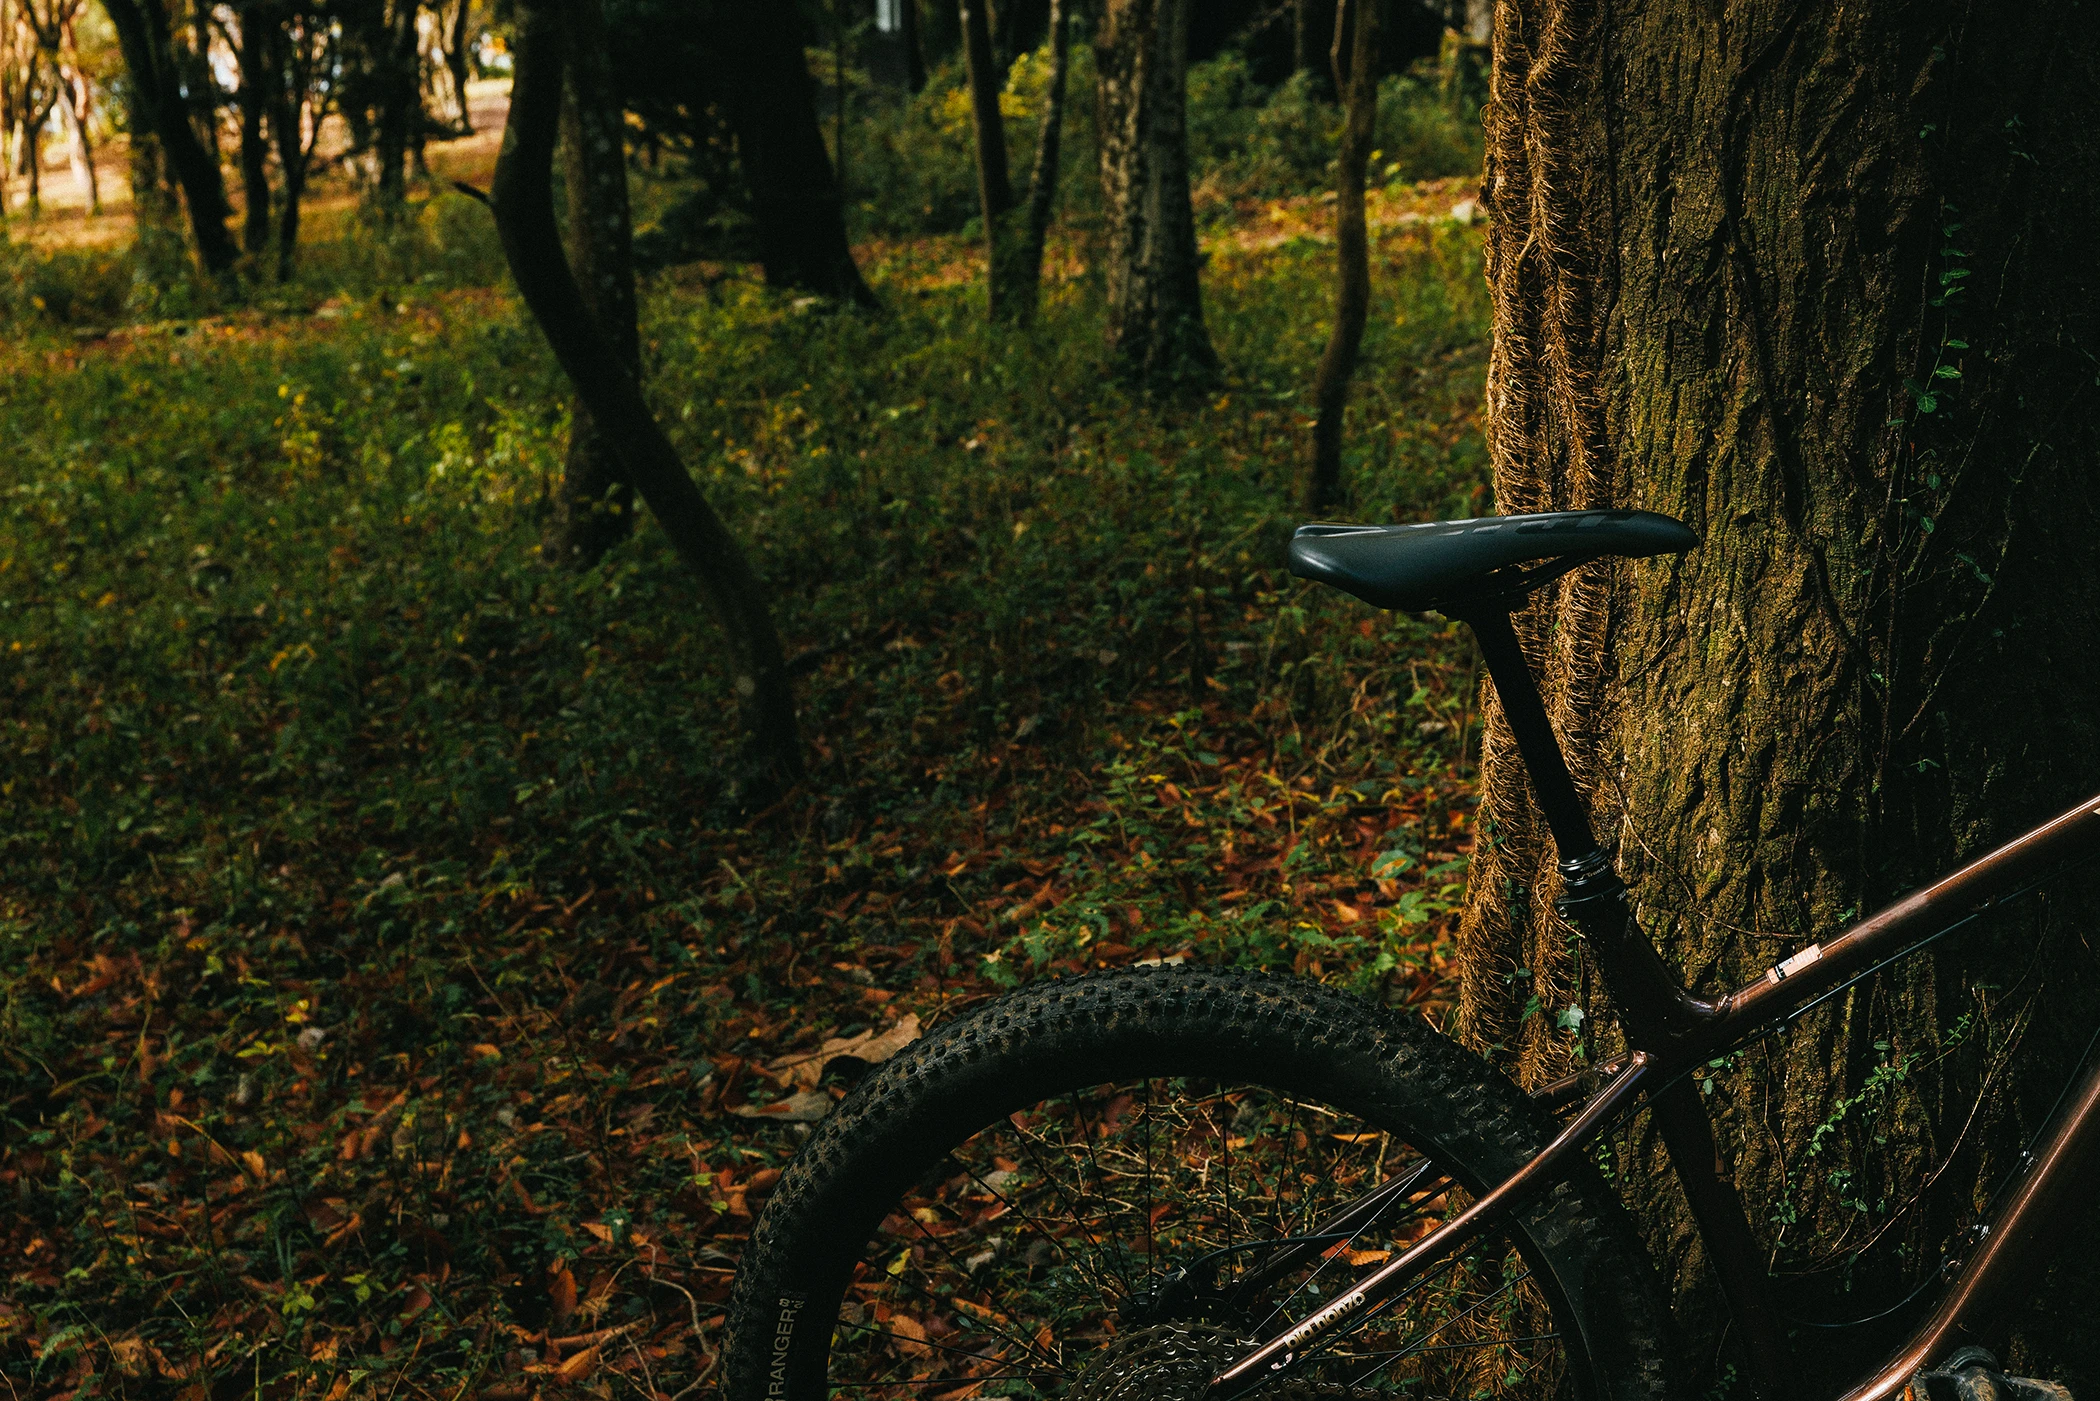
point(1652, 1003)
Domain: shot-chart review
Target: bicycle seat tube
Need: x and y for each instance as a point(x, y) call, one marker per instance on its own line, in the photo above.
point(1653, 1007)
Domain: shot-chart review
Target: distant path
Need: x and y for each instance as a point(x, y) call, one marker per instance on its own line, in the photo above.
point(65, 222)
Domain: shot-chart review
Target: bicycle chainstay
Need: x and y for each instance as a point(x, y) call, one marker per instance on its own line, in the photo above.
point(1176, 1361)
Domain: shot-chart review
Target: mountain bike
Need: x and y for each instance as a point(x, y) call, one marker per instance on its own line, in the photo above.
point(1189, 1184)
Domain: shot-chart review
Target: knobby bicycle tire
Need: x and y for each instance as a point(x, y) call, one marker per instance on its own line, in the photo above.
point(1001, 1209)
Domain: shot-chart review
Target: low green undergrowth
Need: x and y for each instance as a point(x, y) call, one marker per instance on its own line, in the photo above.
point(385, 954)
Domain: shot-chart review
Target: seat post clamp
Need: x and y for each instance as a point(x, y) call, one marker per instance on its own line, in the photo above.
point(1590, 885)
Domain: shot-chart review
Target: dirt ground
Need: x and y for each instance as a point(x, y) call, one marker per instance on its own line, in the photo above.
point(63, 218)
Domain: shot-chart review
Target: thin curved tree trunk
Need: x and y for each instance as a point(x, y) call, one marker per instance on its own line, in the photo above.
point(1155, 290)
point(595, 506)
point(524, 202)
point(1042, 180)
point(1352, 254)
point(1816, 280)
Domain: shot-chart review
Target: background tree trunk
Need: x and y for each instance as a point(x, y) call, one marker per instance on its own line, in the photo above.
point(144, 35)
point(1352, 254)
point(301, 51)
point(80, 109)
point(995, 191)
point(1042, 180)
point(596, 504)
point(397, 124)
point(914, 50)
point(1730, 258)
point(769, 97)
point(1155, 293)
point(255, 151)
point(456, 61)
point(524, 202)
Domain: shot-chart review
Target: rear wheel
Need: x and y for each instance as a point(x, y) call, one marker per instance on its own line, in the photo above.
point(1103, 1187)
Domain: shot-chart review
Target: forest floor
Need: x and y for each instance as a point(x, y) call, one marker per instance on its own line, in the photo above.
point(400, 993)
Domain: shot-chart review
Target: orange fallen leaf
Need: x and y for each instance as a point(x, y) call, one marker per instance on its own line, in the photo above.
point(579, 1367)
point(908, 1335)
point(561, 1293)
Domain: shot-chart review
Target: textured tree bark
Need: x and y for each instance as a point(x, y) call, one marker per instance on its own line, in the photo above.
point(1155, 293)
point(1352, 253)
point(1730, 255)
point(768, 96)
point(596, 503)
point(524, 200)
point(144, 36)
point(1042, 180)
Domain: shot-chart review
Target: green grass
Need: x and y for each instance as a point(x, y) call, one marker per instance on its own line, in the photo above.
point(382, 947)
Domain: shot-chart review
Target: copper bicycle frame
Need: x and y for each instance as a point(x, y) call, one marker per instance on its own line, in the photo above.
point(1670, 1033)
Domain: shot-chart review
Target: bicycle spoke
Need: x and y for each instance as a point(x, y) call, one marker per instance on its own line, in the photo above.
point(1026, 1243)
point(1042, 1230)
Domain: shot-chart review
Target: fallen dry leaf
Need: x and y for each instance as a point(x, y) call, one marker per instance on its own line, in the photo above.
point(803, 1107)
point(909, 1335)
point(870, 1047)
point(579, 1367)
point(561, 1293)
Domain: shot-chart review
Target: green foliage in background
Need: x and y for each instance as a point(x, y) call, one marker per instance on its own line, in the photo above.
point(910, 163)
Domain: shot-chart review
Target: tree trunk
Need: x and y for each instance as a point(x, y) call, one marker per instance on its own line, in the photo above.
point(153, 206)
point(1313, 27)
point(1352, 254)
point(297, 54)
point(596, 504)
point(770, 99)
point(398, 122)
point(914, 52)
point(1729, 257)
point(1155, 294)
point(995, 191)
point(524, 201)
point(144, 35)
point(255, 152)
point(202, 84)
point(1042, 181)
point(33, 158)
point(1001, 30)
point(456, 64)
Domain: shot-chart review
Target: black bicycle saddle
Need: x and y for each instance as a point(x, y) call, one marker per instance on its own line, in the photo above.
point(1446, 565)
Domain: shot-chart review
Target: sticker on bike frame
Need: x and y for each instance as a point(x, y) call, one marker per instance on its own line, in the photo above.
point(783, 1344)
point(1789, 967)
